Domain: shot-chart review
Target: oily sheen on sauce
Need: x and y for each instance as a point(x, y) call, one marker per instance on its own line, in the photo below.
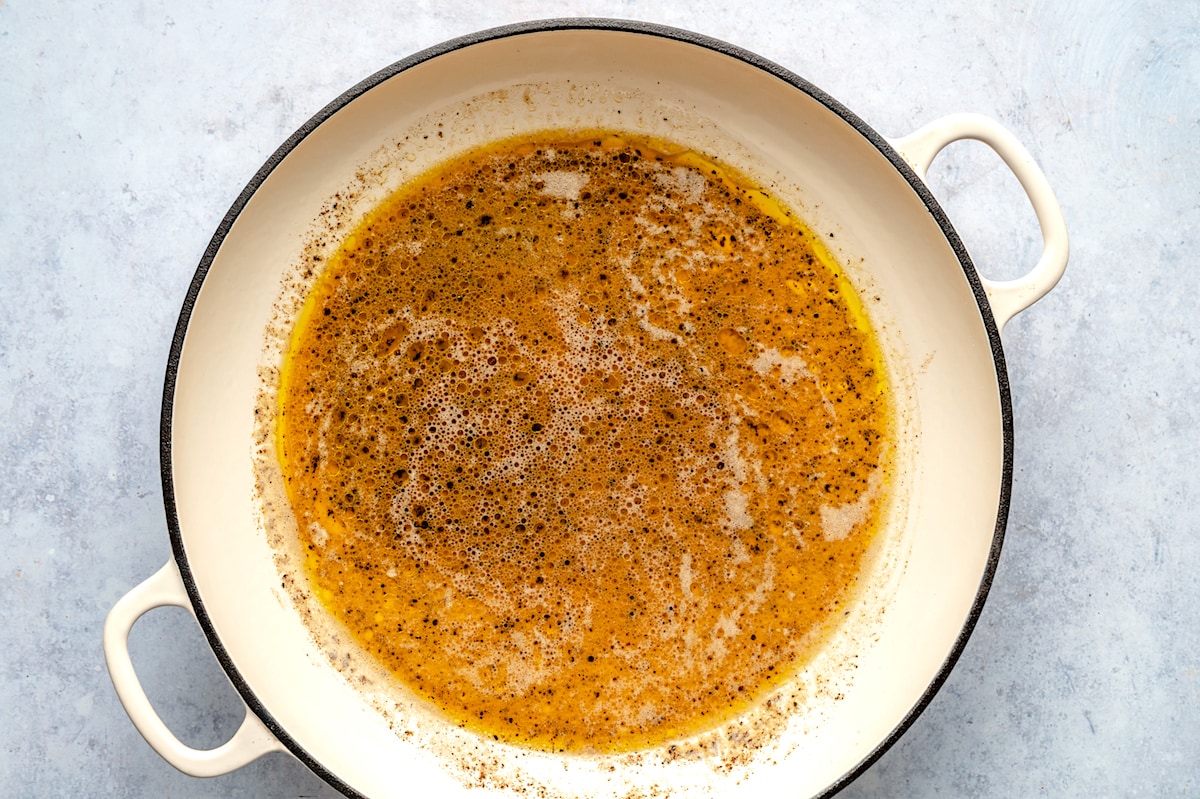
point(586, 439)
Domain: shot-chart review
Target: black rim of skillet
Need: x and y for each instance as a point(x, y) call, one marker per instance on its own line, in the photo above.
point(619, 26)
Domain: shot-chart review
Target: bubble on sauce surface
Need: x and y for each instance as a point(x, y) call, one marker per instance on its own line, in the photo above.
point(839, 521)
point(561, 185)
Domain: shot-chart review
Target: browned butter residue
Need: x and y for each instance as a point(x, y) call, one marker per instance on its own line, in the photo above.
point(586, 441)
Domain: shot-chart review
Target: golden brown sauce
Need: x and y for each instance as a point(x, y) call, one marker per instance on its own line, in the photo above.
point(585, 440)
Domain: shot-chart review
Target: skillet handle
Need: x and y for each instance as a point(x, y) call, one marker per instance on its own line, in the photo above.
point(252, 739)
point(1007, 297)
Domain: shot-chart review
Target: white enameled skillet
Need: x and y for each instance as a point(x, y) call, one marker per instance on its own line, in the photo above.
point(938, 319)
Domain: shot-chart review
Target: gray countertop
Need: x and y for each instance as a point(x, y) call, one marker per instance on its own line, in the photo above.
point(129, 128)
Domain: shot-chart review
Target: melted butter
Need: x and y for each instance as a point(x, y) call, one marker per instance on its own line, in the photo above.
point(585, 440)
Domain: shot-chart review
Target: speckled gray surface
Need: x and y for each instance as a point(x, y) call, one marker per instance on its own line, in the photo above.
point(128, 129)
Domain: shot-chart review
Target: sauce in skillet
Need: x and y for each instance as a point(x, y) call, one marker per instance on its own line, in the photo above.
point(586, 439)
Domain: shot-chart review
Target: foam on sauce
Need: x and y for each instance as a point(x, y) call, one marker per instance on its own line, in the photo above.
point(585, 441)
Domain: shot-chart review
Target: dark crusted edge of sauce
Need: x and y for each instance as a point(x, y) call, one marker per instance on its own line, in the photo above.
point(748, 740)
